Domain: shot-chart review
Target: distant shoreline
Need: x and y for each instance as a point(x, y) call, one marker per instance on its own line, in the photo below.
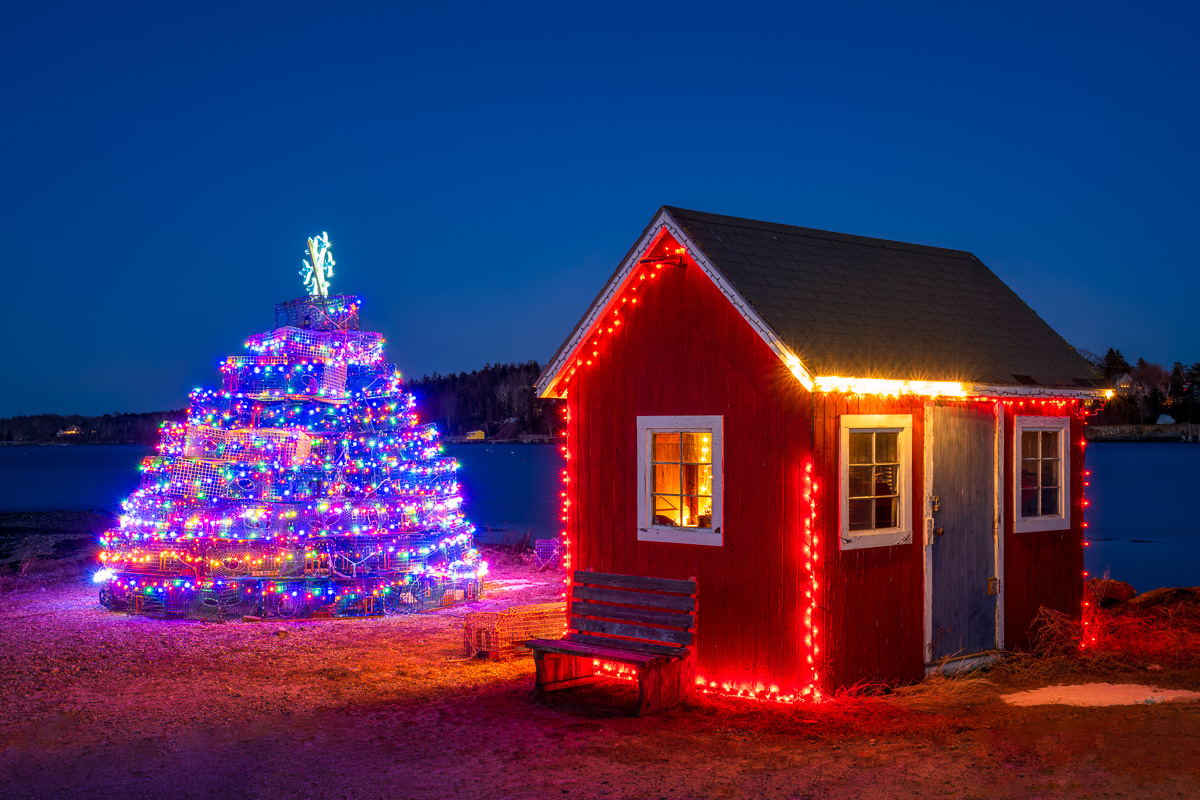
point(1143, 433)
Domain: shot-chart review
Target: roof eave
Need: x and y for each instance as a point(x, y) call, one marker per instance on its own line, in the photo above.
point(1033, 392)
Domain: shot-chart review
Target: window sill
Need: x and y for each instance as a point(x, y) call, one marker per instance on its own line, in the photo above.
point(1036, 524)
point(883, 538)
point(666, 533)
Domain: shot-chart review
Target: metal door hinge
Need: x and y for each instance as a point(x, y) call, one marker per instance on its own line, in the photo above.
point(993, 587)
point(936, 502)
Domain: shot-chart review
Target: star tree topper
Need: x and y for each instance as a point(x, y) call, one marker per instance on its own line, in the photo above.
point(317, 273)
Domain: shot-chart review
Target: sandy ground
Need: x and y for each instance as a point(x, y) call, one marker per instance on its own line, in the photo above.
point(1099, 694)
point(100, 705)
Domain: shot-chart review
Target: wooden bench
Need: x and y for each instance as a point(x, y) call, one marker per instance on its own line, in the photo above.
point(644, 623)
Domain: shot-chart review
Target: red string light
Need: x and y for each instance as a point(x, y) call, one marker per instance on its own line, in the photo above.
point(609, 325)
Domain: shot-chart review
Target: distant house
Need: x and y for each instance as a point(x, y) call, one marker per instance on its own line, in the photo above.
point(1165, 419)
point(71, 430)
point(1122, 384)
point(475, 436)
point(869, 453)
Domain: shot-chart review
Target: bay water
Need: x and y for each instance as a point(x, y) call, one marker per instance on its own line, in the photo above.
point(1144, 517)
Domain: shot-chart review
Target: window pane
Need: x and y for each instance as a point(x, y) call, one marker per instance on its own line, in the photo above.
point(666, 478)
point(887, 448)
point(1029, 442)
point(860, 515)
point(1050, 472)
point(1029, 507)
point(1049, 444)
point(704, 512)
point(860, 448)
point(666, 447)
point(691, 512)
point(860, 482)
point(690, 480)
point(1050, 502)
point(706, 474)
point(666, 510)
point(1029, 473)
point(886, 509)
point(697, 448)
point(885, 480)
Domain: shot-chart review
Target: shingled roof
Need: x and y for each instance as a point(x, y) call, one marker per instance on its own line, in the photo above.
point(850, 306)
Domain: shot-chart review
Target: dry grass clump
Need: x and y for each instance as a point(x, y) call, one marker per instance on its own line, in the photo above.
point(1168, 635)
point(938, 690)
point(1108, 640)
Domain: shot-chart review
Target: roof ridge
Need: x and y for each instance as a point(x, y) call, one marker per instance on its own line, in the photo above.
point(815, 233)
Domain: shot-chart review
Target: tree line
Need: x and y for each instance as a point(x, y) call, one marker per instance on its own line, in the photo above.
point(499, 399)
point(77, 429)
point(1145, 391)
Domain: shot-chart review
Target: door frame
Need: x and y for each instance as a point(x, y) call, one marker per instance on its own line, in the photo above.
point(998, 494)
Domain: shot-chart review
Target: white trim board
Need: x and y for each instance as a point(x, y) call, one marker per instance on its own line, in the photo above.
point(899, 423)
point(927, 550)
point(1000, 573)
point(1031, 392)
point(1049, 522)
point(648, 532)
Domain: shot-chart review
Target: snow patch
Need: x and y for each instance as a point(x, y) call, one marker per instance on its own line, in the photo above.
point(1099, 694)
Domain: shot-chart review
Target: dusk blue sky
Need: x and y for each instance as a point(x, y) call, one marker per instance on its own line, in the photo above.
point(481, 170)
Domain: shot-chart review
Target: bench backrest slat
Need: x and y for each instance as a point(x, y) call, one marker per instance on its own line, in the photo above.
point(652, 616)
point(667, 635)
point(616, 610)
point(634, 598)
point(635, 582)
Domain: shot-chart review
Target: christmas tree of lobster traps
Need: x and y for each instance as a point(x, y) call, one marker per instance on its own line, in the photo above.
point(305, 487)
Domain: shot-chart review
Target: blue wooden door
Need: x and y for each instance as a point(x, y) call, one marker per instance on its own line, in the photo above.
point(963, 544)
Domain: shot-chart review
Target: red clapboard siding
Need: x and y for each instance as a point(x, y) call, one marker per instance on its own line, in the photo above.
point(1042, 568)
point(683, 350)
point(872, 600)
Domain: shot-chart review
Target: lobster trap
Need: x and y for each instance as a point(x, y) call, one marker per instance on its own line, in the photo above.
point(337, 312)
point(502, 635)
point(350, 346)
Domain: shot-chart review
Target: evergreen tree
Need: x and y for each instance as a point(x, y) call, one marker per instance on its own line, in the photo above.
point(1114, 364)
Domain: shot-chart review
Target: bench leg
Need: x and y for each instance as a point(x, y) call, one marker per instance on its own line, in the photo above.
point(557, 671)
point(662, 685)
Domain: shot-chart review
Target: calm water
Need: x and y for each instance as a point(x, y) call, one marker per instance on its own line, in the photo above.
point(511, 487)
point(1144, 519)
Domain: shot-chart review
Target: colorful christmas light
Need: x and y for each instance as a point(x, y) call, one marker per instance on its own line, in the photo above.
point(306, 486)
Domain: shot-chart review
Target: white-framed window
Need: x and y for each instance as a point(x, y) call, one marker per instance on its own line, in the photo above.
point(875, 458)
point(679, 479)
point(1042, 471)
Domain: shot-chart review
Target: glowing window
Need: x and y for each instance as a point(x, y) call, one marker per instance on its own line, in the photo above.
point(874, 486)
point(1042, 475)
point(682, 478)
point(679, 465)
point(875, 462)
